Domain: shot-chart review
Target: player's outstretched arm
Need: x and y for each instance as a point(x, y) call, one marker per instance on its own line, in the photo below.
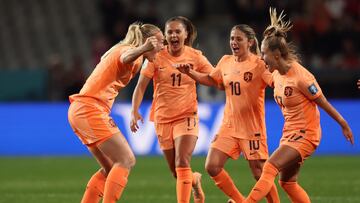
point(324, 104)
point(202, 78)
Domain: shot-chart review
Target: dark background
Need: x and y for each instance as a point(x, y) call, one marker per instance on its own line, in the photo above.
point(48, 48)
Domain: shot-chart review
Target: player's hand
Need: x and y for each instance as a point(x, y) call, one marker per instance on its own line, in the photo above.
point(184, 68)
point(348, 134)
point(152, 43)
point(358, 84)
point(135, 116)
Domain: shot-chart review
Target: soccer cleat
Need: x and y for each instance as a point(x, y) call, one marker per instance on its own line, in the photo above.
point(199, 196)
point(231, 201)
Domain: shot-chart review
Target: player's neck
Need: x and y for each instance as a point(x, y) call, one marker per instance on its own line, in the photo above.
point(241, 58)
point(284, 67)
point(176, 53)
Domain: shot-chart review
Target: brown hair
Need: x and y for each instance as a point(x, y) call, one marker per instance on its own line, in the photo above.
point(250, 34)
point(275, 36)
point(190, 28)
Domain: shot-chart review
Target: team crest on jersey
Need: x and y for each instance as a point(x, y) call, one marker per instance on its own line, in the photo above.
point(288, 91)
point(313, 89)
point(248, 76)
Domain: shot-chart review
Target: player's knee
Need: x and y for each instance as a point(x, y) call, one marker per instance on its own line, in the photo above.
point(212, 169)
point(126, 162)
point(182, 161)
point(131, 161)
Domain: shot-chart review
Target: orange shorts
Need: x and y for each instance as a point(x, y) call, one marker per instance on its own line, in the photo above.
point(252, 149)
point(167, 132)
point(298, 140)
point(90, 123)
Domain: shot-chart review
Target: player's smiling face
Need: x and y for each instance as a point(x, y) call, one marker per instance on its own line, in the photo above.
point(268, 56)
point(239, 43)
point(175, 34)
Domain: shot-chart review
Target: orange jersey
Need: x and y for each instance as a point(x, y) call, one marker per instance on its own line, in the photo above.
point(295, 93)
point(244, 84)
point(108, 78)
point(174, 95)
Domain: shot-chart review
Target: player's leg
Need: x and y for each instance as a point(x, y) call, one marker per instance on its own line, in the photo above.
point(169, 155)
point(255, 150)
point(95, 188)
point(215, 162)
point(82, 122)
point(288, 181)
point(256, 167)
point(184, 147)
point(271, 168)
point(118, 151)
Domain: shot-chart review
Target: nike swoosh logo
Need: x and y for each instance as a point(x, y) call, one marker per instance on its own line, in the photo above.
point(252, 153)
point(190, 128)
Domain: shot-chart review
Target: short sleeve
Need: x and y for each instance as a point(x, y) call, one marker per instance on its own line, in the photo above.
point(148, 69)
point(216, 73)
point(308, 86)
point(204, 66)
point(268, 78)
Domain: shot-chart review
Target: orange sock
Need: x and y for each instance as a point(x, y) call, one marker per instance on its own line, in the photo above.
point(115, 184)
point(273, 195)
point(183, 184)
point(224, 182)
point(94, 189)
point(264, 184)
point(295, 192)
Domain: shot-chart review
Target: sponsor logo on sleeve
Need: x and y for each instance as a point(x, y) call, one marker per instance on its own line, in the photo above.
point(313, 89)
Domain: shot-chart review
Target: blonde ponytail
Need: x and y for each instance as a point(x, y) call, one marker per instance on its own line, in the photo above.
point(136, 35)
point(275, 36)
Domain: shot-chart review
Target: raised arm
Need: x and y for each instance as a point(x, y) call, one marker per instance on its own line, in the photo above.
point(137, 98)
point(131, 55)
point(324, 104)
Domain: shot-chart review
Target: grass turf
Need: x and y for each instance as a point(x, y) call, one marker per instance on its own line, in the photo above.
point(327, 179)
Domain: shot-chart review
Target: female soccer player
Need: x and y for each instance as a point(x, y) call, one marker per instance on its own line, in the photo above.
point(174, 107)
point(243, 131)
point(298, 95)
point(89, 111)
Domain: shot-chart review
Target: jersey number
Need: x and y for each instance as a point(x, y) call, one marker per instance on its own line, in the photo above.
point(254, 144)
point(235, 88)
point(176, 77)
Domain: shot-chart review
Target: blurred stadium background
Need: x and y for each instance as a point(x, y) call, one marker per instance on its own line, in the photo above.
point(48, 48)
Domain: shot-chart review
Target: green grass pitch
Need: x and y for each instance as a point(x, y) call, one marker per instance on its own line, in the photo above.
point(327, 179)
